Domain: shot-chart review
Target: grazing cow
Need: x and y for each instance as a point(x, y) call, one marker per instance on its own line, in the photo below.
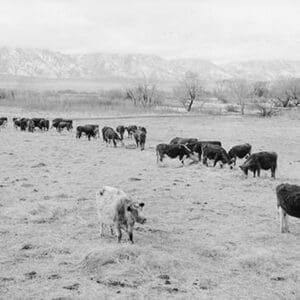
point(63, 124)
point(117, 210)
point(140, 139)
point(110, 135)
point(44, 124)
point(17, 122)
point(217, 153)
point(30, 125)
point(288, 203)
point(88, 130)
point(260, 160)
point(37, 122)
point(103, 133)
point(23, 123)
point(130, 130)
point(3, 121)
point(174, 151)
point(197, 147)
point(55, 123)
point(239, 151)
point(121, 130)
point(95, 128)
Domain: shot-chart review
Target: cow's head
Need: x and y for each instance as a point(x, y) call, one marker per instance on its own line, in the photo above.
point(134, 213)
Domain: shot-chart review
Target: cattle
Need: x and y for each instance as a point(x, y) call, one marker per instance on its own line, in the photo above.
point(140, 138)
point(239, 151)
point(217, 153)
point(197, 147)
point(130, 130)
point(56, 122)
point(260, 160)
point(110, 135)
point(121, 130)
point(44, 124)
point(189, 142)
point(141, 128)
point(3, 121)
point(88, 130)
point(63, 124)
point(37, 122)
point(288, 203)
point(95, 128)
point(118, 211)
point(23, 123)
point(173, 151)
point(17, 122)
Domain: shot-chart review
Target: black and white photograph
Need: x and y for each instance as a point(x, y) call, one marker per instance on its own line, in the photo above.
point(150, 149)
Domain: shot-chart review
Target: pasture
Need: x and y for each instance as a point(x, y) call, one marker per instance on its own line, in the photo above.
point(210, 232)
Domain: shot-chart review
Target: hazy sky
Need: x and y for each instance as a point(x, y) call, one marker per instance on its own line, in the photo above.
point(213, 29)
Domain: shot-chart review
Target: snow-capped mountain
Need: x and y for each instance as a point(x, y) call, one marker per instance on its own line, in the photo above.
point(38, 63)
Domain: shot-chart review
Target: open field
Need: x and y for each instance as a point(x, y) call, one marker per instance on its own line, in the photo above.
point(211, 233)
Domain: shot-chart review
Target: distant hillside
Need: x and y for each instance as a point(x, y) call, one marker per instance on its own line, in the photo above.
point(43, 64)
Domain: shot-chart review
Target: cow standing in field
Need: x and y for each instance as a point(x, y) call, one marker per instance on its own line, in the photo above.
point(118, 211)
point(239, 151)
point(260, 160)
point(140, 138)
point(173, 151)
point(215, 153)
point(88, 130)
point(66, 123)
point(197, 147)
point(30, 125)
point(3, 121)
point(121, 130)
point(23, 123)
point(288, 203)
point(110, 135)
point(130, 130)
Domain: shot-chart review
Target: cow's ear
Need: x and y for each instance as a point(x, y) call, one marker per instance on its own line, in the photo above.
point(129, 208)
point(142, 204)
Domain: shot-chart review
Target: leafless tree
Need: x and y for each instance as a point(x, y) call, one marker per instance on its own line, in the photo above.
point(240, 91)
point(189, 90)
point(143, 93)
point(286, 92)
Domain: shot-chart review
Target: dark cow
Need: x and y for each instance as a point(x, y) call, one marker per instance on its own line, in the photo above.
point(190, 142)
point(110, 135)
point(103, 133)
point(23, 123)
point(88, 130)
point(37, 122)
point(288, 203)
point(121, 130)
point(260, 160)
point(3, 121)
point(63, 124)
point(173, 151)
point(141, 128)
point(44, 124)
point(217, 153)
point(95, 128)
point(197, 147)
point(56, 122)
point(140, 139)
point(17, 122)
point(130, 130)
point(239, 151)
point(117, 211)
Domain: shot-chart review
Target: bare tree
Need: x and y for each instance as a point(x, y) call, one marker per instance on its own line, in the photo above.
point(286, 92)
point(143, 94)
point(189, 90)
point(240, 91)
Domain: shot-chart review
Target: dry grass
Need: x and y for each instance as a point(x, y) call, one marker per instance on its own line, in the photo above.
point(210, 233)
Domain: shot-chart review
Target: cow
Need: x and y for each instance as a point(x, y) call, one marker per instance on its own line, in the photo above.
point(217, 153)
point(110, 135)
point(37, 122)
point(63, 124)
point(44, 124)
point(189, 142)
point(197, 147)
point(141, 128)
point(173, 151)
point(118, 211)
point(95, 128)
point(240, 151)
point(140, 138)
point(56, 122)
point(88, 130)
point(260, 160)
point(17, 122)
point(130, 130)
point(121, 130)
point(288, 203)
point(3, 121)
point(23, 123)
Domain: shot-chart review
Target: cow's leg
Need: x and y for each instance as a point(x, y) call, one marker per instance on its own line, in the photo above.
point(112, 229)
point(89, 137)
point(119, 232)
point(273, 172)
point(115, 143)
point(258, 172)
point(283, 220)
point(234, 160)
point(130, 233)
point(204, 161)
point(286, 222)
point(181, 159)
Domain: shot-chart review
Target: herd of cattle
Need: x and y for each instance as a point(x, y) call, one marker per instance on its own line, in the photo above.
point(117, 208)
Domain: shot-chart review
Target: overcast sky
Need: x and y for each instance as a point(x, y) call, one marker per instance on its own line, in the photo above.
point(210, 29)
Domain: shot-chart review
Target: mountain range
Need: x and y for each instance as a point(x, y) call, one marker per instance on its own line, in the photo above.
point(40, 63)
